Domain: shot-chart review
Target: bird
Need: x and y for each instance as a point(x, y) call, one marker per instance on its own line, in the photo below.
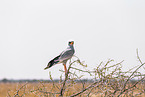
point(63, 57)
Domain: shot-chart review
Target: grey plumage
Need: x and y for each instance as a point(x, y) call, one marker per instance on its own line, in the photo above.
point(64, 56)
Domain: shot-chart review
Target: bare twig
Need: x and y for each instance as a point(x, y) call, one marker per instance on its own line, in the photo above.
point(66, 78)
point(92, 85)
point(17, 94)
point(123, 90)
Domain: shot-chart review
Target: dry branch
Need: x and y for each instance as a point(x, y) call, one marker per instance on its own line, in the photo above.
point(108, 80)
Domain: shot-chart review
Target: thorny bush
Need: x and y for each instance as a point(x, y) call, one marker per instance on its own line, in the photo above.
point(108, 79)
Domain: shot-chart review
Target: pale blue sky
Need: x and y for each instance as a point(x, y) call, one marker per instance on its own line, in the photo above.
point(32, 32)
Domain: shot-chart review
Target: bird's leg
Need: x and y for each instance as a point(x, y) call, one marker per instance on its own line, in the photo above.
point(65, 68)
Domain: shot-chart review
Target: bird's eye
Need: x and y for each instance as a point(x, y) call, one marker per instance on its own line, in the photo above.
point(71, 43)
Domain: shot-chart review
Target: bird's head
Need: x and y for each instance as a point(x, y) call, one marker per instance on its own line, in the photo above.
point(70, 42)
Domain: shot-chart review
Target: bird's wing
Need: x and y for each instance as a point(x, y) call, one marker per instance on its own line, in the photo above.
point(65, 55)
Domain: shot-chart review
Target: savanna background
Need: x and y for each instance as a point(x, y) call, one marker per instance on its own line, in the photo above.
point(32, 32)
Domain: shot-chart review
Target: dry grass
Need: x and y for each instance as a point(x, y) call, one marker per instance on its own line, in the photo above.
point(34, 89)
point(38, 90)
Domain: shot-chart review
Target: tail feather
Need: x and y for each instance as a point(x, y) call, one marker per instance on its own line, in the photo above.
point(52, 62)
point(46, 68)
